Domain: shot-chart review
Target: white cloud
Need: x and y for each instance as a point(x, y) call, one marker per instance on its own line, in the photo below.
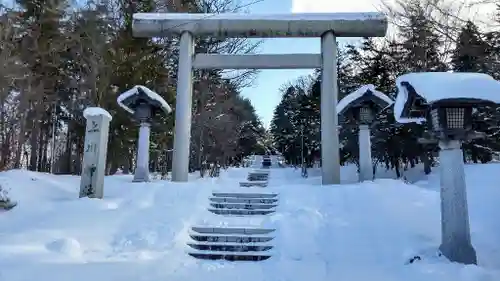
point(326, 6)
point(482, 15)
point(479, 13)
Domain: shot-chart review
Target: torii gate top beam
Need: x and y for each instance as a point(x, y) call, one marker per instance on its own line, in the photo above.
point(260, 25)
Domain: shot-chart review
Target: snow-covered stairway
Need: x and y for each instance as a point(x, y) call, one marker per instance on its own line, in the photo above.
point(236, 243)
point(232, 244)
point(258, 177)
point(243, 204)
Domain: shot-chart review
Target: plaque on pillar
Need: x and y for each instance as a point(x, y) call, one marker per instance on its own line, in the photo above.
point(143, 104)
point(359, 109)
point(94, 152)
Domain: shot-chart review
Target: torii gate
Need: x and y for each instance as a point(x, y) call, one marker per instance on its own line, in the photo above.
point(232, 25)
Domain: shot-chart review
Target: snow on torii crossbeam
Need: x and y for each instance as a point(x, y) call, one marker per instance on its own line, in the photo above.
point(232, 25)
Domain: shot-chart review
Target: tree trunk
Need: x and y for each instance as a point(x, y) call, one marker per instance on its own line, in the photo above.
point(41, 140)
point(44, 158)
point(68, 153)
point(21, 138)
point(34, 145)
point(77, 167)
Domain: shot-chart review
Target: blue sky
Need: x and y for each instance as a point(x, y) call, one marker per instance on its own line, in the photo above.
point(265, 92)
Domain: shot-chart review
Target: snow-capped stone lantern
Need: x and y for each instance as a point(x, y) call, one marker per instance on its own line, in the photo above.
point(144, 104)
point(445, 100)
point(360, 107)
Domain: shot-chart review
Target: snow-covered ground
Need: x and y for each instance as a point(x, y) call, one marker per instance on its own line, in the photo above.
point(139, 231)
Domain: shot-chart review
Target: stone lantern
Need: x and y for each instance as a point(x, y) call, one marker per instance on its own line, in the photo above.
point(143, 104)
point(359, 108)
point(445, 101)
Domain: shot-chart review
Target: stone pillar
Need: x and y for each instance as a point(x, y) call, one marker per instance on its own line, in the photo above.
point(365, 154)
point(180, 161)
point(142, 167)
point(330, 155)
point(455, 231)
point(95, 151)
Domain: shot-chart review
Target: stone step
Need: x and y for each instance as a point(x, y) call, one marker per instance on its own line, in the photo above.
point(230, 256)
point(253, 183)
point(243, 200)
point(224, 247)
point(258, 175)
point(240, 212)
point(232, 230)
point(245, 195)
point(260, 171)
point(230, 238)
point(263, 244)
point(235, 243)
point(263, 174)
point(252, 179)
point(257, 179)
point(243, 206)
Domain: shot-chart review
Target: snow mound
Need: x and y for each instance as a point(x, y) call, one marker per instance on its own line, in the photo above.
point(67, 246)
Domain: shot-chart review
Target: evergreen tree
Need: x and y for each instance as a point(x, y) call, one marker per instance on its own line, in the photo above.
point(471, 55)
point(420, 43)
point(420, 52)
point(471, 50)
point(41, 43)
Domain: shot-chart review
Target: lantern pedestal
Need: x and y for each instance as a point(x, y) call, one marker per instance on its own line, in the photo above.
point(142, 168)
point(455, 231)
point(365, 154)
